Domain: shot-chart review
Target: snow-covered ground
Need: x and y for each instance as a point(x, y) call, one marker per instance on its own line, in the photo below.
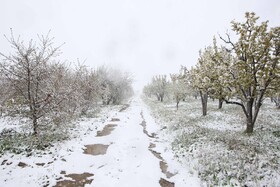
point(119, 148)
point(215, 147)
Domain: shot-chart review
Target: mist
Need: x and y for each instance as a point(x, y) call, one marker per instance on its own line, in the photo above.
point(145, 38)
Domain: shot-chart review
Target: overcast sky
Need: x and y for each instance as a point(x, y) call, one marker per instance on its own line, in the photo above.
point(144, 37)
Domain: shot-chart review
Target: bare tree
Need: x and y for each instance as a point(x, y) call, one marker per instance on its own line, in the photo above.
point(27, 72)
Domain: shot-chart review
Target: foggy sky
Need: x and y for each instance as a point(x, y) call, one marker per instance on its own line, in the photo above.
point(144, 37)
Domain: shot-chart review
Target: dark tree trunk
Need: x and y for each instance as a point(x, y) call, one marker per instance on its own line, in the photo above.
point(177, 102)
point(221, 103)
point(35, 125)
point(158, 97)
point(108, 101)
point(250, 121)
point(204, 98)
point(250, 126)
point(161, 97)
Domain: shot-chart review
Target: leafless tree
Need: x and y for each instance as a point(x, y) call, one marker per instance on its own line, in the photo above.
point(27, 71)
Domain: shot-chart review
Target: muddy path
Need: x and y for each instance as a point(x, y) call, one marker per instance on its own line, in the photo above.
point(106, 130)
point(75, 180)
point(120, 155)
point(162, 163)
point(125, 149)
point(96, 149)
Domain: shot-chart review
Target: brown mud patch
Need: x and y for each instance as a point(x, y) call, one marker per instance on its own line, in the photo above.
point(77, 180)
point(163, 167)
point(22, 164)
point(156, 154)
point(106, 130)
point(96, 149)
point(124, 108)
point(144, 125)
point(163, 164)
point(165, 183)
point(40, 164)
point(3, 162)
point(115, 119)
point(152, 145)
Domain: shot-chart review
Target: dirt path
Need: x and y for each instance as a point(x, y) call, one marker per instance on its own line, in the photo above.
point(123, 154)
point(127, 150)
point(162, 163)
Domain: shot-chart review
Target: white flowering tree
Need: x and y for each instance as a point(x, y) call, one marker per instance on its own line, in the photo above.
point(159, 86)
point(255, 70)
point(201, 76)
point(178, 88)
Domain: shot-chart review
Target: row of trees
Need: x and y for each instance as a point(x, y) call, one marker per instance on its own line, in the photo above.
point(173, 86)
point(241, 72)
point(36, 85)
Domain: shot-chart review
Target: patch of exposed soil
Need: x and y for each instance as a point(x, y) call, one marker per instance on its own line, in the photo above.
point(143, 124)
point(156, 154)
point(163, 164)
point(106, 130)
point(77, 180)
point(22, 164)
point(115, 119)
point(40, 164)
point(152, 145)
point(165, 183)
point(163, 167)
point(3, 162)
point(96, 149)
point(63, 172)
point(124, 108)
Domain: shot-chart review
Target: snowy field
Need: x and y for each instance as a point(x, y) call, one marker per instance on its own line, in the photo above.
point(121, 146)
point(215, 146)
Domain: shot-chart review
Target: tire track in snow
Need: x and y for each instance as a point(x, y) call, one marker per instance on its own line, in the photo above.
point(163, 165)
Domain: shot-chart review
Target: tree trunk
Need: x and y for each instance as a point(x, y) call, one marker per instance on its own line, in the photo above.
point(35, 125)
point(250, 126)
point(161, 97)
point(204, 98)
point(221, 103)
point(277, 102)
point(251, 116)
point(108, 100)
point(158, 97)
point(250, 122)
